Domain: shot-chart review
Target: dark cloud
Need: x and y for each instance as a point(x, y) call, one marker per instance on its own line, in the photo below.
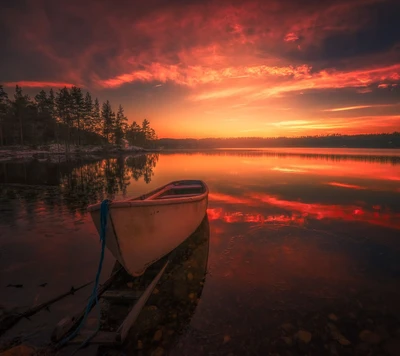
point(380, 33)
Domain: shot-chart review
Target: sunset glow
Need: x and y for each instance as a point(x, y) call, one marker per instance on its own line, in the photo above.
point(298, 212)
point(213, 69)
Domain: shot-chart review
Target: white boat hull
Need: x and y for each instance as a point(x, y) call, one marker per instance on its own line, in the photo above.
point(140, 232)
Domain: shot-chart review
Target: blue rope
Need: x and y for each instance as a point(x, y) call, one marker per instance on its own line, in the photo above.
point(93, 296)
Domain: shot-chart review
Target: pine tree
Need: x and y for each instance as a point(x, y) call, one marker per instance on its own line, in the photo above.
point(120, 126)
point(113, 119)
point(96, 118)
point(64, 107)
point(20, 105)
point(41, 101)
point(146, 129)
point(43, 117)
point(3, 112)
point(78, 109)
point(88, 113)
point(107, 117)
point(134, 134)
point(52, 111)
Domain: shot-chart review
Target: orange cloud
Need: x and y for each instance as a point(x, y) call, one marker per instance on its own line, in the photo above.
point(299, 79)
point(345, 185)
point(370, 124)
point(28, 84)
point(196, 75)
point(358, 107)
point(288, 170)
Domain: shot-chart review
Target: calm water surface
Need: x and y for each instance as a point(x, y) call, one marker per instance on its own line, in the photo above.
point(295, 236)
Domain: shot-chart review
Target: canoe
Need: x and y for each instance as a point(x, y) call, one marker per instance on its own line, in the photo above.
point(142, 230)
point(134, 308)
point(174, 304)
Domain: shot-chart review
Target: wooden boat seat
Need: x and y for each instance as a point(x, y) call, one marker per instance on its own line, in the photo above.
point(177, 196)
point(189, 186)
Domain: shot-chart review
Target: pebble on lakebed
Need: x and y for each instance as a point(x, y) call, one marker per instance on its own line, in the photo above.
point(159, 351)
point(158, 335)
point(304, 336)
point(369, 337)
point(333, 317)
point(337, 335)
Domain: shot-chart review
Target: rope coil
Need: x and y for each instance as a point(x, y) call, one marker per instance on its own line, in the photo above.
point(104, 207)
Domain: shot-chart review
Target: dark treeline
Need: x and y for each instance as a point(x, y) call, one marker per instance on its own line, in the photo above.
point(68, 116)
point(384, 140)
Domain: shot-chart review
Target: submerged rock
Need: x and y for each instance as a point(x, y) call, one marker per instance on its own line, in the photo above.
point(304, 336)
point(338, 336)
point(159, 351)
point(370, 337)
point(333, 317)
point(20, 350)
point(287, 327)
point(227, 338)
point(287, 340)
point(158, 335)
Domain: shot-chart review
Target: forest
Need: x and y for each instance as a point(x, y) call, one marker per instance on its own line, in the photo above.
point(69, 117)
point(382, 140)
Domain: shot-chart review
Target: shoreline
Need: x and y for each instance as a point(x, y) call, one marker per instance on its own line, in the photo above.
point(57, 152)
point(49, 152)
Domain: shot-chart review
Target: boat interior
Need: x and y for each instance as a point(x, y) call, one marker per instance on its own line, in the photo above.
point(178, 189)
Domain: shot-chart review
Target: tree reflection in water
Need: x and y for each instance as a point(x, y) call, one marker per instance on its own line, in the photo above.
point(142, 166)
point(71, 185)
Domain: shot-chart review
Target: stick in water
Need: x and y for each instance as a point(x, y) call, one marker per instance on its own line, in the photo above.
point(10, 320)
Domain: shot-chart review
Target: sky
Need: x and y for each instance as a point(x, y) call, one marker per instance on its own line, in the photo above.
point(205, 68)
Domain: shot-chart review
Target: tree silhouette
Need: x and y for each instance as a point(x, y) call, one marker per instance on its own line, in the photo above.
point(69, 116)
point(120, 126)
point(3, 112)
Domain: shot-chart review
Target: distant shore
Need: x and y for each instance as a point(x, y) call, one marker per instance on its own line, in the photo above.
point(54, 151)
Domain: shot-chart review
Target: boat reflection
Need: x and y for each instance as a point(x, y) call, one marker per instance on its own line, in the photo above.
point(173, 303)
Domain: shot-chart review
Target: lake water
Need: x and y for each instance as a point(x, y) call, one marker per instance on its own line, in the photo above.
point(299, 240)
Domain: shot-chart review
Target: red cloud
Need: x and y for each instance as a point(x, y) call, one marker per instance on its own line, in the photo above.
point(346, 108)
point(213, 51)
point(345, 185)
point(28, 84)
point(196, 75)
point(191, 44)
point(291, 37)
point(299, 211)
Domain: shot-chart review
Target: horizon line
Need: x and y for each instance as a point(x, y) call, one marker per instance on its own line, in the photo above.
point(279, 137)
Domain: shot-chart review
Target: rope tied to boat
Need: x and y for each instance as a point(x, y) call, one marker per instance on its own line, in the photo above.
point(104, 207)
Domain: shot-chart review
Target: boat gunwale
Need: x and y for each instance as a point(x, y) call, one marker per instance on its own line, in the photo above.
point(137, 202)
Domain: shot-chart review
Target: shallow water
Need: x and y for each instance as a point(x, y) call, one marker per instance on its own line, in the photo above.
point(295, 236)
